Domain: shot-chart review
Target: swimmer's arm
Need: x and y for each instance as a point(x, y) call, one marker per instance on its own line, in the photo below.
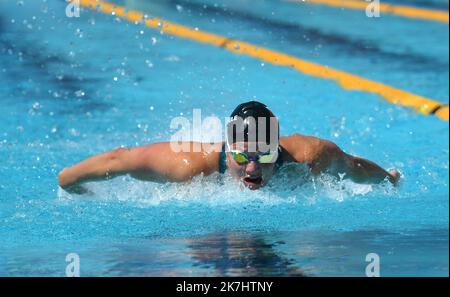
point(155, 162)
point(332, 159)
point(99, 167)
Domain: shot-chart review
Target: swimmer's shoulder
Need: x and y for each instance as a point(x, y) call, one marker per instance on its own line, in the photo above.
point(303, 148)
point(211, 157)
point(195, 156)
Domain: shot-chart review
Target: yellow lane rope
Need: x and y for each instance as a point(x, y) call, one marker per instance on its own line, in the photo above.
point(348, 81)
point(400, 10)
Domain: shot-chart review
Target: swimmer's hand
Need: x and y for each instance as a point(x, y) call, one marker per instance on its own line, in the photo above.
point(394, 176)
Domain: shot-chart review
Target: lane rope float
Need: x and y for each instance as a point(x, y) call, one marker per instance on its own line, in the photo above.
point(399, 10)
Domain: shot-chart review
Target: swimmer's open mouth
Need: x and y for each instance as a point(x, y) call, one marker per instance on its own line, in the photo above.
point(252, 181)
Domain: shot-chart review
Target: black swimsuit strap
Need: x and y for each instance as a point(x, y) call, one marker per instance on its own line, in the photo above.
point(223, 160)
point(280, 158)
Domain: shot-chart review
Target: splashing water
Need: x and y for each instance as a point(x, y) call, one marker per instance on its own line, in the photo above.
point(292, 185)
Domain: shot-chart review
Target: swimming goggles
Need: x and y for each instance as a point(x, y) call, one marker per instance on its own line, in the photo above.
point(263, 158)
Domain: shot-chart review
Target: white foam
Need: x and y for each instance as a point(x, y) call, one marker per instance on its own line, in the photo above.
point(293, 185)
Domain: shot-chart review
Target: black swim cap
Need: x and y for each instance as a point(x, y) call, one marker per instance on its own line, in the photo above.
point(253, 115)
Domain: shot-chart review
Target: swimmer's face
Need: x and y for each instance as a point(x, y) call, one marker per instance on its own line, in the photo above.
point(251, 167)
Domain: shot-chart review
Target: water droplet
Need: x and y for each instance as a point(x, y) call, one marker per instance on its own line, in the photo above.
point(74, 132)
point(149, 63)
point(36, 106)
point(79, 33)
point(79, 93)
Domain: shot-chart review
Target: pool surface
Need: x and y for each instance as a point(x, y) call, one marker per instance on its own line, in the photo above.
point(74, 87)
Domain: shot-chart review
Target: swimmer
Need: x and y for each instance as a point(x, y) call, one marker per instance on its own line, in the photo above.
point(252, 154)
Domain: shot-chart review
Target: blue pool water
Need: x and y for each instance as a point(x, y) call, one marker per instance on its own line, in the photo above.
point(73, 87)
